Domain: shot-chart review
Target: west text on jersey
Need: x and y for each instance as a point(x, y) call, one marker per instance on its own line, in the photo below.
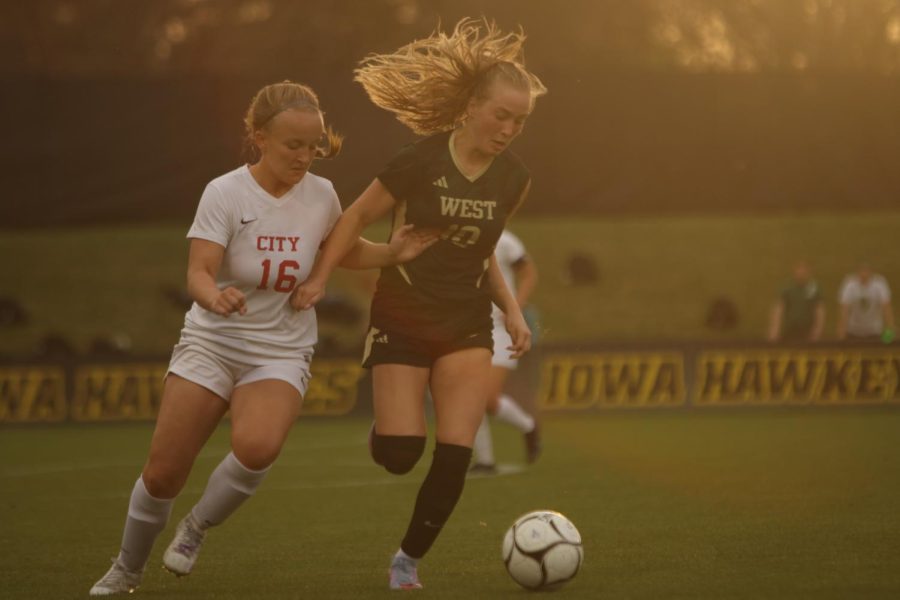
point(468, 209)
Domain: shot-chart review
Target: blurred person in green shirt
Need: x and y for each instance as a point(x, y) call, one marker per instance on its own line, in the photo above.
point(798, 314)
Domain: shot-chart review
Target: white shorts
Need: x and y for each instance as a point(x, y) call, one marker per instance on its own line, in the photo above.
point(501, 354)
point(220, 373)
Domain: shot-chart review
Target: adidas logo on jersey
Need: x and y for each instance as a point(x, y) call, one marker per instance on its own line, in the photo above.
point(441, 183)
point(381, 338)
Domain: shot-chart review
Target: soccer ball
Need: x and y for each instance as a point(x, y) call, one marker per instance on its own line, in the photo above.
point(542, 550)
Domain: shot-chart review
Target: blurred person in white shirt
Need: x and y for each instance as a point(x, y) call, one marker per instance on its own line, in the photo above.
point(865, 307)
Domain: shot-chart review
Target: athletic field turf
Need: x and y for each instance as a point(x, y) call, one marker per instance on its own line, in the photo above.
point(749, 504)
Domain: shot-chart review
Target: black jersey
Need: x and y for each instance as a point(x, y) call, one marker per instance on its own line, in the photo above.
point(443, 293)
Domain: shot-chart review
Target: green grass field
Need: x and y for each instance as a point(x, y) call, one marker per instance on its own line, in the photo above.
point(657, 276)
point(762, 504)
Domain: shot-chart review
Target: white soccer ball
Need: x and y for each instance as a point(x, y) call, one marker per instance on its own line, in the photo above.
point(542, 550)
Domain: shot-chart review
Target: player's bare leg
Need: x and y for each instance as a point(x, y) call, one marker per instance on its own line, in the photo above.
point(457, 386)
point(397, 438)
point(262, 414)
point(188, 415)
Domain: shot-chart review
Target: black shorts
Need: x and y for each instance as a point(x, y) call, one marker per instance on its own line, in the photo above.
point(384, 348)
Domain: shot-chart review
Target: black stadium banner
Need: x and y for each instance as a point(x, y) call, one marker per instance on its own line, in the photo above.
point(636, 378)
point(612, 380)
point(333, 387)
point(33, 394)
point(702, 377)
point(131, 391)
point(812, 377)
point(117, 392)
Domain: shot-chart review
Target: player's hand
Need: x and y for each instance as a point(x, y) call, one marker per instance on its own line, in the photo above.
point(228, 301)
point(519, 332)
point(307, 294)
point(408, 242)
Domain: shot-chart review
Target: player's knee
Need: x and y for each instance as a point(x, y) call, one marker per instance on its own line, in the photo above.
point(255, 453)
point(401, 464)
point(161, 481)
point(398, 454)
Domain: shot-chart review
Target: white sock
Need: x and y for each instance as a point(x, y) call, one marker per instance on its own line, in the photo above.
point(402, 554)
point(228, 487)
point(510, 412)
point(483, 448)
point(147, 517)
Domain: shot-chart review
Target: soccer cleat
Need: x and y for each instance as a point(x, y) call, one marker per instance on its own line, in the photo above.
point(182, 553)
point(533, 444)
point(118, 580)
point(482, 469)
point(404, 575)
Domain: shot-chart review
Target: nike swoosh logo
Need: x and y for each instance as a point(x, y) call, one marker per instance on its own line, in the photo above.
point(245, 221)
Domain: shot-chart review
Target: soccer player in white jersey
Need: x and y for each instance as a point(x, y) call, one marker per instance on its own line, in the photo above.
point(243, 347)
point(521, 276)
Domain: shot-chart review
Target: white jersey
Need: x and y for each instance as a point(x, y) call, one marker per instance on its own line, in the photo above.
point(865, 316)
point(270, 245)
point(509, 251)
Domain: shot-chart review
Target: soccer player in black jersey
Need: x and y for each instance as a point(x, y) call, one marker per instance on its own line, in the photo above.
point(470, 94)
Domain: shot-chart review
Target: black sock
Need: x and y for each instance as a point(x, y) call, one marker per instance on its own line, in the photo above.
point(437, 497)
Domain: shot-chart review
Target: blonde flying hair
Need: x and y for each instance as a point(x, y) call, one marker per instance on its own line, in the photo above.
point(277, 98)
point(428, 83)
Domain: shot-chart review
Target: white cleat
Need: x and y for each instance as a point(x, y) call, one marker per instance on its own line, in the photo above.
point(403, 574)
point(182, 553)
point(118, 580)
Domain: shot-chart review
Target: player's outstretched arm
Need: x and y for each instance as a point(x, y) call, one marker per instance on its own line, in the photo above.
point(406, 243)
point(372, 204)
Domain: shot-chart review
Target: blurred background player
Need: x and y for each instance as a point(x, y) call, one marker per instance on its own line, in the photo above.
point(470, 94)
point(865, 306)
point(799, 312)
point(255, 234)
point(520, 274)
